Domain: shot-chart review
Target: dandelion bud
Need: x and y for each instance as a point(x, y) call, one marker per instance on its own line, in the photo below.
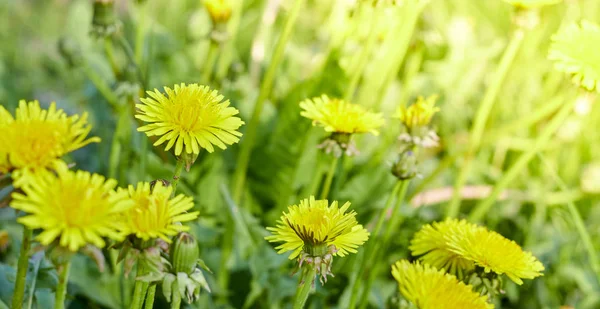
point(104, 21)
point(188, 159)
point(219, 10)
point(184, 253)
point(71, 51)
point(406, 166)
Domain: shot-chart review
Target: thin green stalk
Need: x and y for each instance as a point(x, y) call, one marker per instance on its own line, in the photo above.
point(61, 289)
point(22, 266)
point(308, 276)
point(138, 290)
point(371, 245)
point(116, 147)
point(102, 87)
point(375, 254)
point(226, 250)
point(108, 49)
point(149, 303)
point(177, 174)
point(578, 221)
point(229, 47)
point(239, 177)
point(211, 58)
point(143, 158)
point(131, 57)
point(176, 300)
point(329, 178)
point(140, 32)
point(481, 119)
point(541, 141)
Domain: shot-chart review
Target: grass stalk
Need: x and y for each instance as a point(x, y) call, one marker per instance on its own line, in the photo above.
point(22, 266)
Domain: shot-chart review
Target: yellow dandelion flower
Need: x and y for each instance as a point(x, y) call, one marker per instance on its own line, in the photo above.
point(189, 115)
point(155, 214)
point(418, 114)
point(574, 51)
point(219, 10)
point(429, 288)
point(431, 243)
point(35, 138)
point(339, 116)
point(531, 4)
point(315, 223)
point(497, 254)
point(78, 208)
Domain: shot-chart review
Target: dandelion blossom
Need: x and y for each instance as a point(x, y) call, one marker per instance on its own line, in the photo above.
point(77, 208)
point(36, 138)
point(315, 231)
point(418, 114)
point(339, 116)
point(574, 50)
point(429, 288)
point(155, 214)
point(190, 117)
point(219, 10)
point(432, 244)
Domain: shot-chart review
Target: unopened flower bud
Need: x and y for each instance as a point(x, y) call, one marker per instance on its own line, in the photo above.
point(406, 166)
point(188, 159)
point(184, 253)
point(104, 21)
point(219, 10)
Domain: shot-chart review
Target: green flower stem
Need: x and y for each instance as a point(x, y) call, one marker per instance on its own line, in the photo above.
point(131, 57)
point(226, 250)
point(481, 118)
point(308, 276)
point(140, 32)
point(177, 175)
point(211, 58)
point(176, 299)
point(149, 303)
point(139, 290)
point(329, 178)
point(239, 177)
point(229, 46)
point(541, 141)
point(578, 221)
point(61, 289)
point(102, 87)
point(22, 266)
point(143, 158)
point(375, 254)
point(371, 245)
point(108, 49)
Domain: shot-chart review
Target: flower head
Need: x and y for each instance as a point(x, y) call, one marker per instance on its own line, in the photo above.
point(219, 10)
point(190, 117)
point(530, 4)
point(418, 114)
point(36, 138)
point(155, 214)
point(339, 116)
point(429, 288)
point(315, 231)
point(77, 208)
point(574, 51)
point(459, 246)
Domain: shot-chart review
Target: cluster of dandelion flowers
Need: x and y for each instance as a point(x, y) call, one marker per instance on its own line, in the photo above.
point(339, 116)
point(189, 117)
point(155, 214)
point(429, 288)
point(574, 51)
point(74, 207)
point(36, 138)
point(451, 243)
point(315, 232)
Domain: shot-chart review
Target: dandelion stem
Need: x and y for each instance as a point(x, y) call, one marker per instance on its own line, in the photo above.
point(177, 174)
point(23, 265)
point(371, 245)
point(239, 177)
point(226, 249)
point(308, 276)
point(483, 113)
point(541, 141)
point(102, 87)
point(211, 58)
point(228, 47)
point(61, 289)
point(329, 178)
point(375, 254)
point(176, 299)
point(149, 304)
point(138, 290)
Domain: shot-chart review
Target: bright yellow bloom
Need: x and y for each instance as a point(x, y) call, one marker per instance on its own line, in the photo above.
point(530, 4)
point(78, 208)
point(189, 115)
point(339, 116)
point(574, 50)
point(431, 243)
point(452, 244)
point(429, 288)
point(418, 114)
point(315, 223)
point(155, 214)
point(219, 10)
point(36, 138)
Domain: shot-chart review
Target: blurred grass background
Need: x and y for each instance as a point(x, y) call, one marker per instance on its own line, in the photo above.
point(453, 52)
